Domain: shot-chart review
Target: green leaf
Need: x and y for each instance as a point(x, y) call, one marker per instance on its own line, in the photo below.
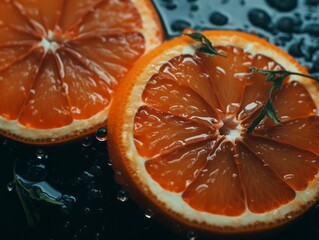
point(206, 47)
point(271, 113)
point(198, 37)
point(277, 78)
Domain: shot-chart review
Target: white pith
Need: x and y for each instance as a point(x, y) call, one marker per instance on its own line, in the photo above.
point(173, 201)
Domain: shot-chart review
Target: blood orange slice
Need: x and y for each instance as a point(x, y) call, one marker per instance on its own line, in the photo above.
point(178, 143)
point(61, 62)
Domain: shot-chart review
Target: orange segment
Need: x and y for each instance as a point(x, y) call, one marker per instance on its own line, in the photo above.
point(257, 89)
point(218, 188)
point(294, 166)
point(186, 70)
point(10, 16)
point(74, 11)
point(80, 81)
point(12, 37)
point(175, 170)
point(229, 75)
point(302, 133)
point(110, 56)
point(88, 46)
point(160, 144)
point(292, 102)
point(47, 88)
point(111, 16)
point(192, 106)
point(40, 13)
point(10, 55)
point(262, 196)
point(17, 81)
point(156, 132)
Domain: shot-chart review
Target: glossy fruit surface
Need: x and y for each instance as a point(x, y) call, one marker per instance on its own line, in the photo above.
point(178, 135)
point(61, 62)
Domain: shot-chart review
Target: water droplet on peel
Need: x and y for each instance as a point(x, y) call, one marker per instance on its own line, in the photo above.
point(149, 213)
point(86, 142)
point(288, 216)
point(101, 134)
point(10, 186)
point(191, 235)
point(122, 195)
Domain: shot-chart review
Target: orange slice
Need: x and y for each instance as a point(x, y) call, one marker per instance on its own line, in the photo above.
point(178, 144)
point(61, 61)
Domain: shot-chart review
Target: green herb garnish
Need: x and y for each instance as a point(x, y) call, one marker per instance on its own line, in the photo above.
point(206, 46)
point(277, 78)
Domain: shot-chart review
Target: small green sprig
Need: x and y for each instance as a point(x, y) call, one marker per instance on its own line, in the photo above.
point(277, 78)
point(206, 46)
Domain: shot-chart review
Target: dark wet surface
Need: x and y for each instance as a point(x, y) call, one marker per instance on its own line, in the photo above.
point(79, 174)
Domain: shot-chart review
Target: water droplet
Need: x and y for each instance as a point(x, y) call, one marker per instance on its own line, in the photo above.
point(283, 5)
point(259, 18)
point(86, 211)
point(40, 153)
point(67, 224)
point(218, 18)
point(97, 236)
point(180, 25)
point(10, 186)
point(171, 6)
point(86, 142)
point(191, 235)
point(288, 216)
point(289, 176)
point(312, 29)
point(149, 213)
point(286, 24)
point(312, 2)
point(122, 195)
point(100, 211)
point(101, 134)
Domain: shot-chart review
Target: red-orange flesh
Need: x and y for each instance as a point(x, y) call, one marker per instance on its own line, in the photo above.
point(61, 60)
point(191, 130)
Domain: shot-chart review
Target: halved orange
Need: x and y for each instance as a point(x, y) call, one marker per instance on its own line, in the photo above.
point(61, 61)
point(178, 144)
